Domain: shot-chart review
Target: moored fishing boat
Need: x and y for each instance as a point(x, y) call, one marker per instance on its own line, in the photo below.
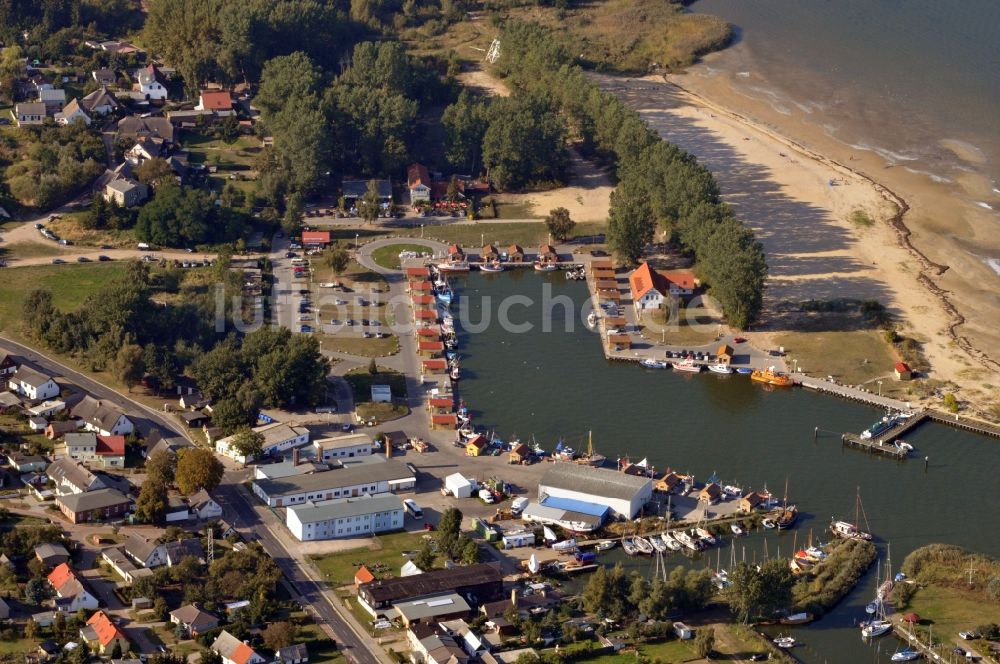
point(720, 368)
point(848, 531)
point(453, 266)
point(770, 376)
point(605, 545)
point(902, 445)
point(687, 365)
point(787, 517)
point(653, 364)
point(491, 266)
point(797, 619)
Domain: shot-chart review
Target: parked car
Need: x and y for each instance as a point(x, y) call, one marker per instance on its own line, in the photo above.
point(291, 254)
point(58, 261)
point(82, 259)
point(598, 253)
point(104, 259)
point(106, 246)
point(305, 329)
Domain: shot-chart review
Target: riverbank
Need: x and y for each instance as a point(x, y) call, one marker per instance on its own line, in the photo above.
point(804, 207)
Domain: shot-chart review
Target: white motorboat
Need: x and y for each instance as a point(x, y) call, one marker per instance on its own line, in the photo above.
point(546, 267)
point(875, 628)
point(816, 552)
point(492, 266)
point(902, 445)
point(654, 364)
point(720, 368)
point(907, 655)
point(736, 529)
point(605, 545)
point(732, 491)
point(769, 524)
point(784, 642)
point(592, 319)
point(565, 545)
point(687, 365)
point(453, 266)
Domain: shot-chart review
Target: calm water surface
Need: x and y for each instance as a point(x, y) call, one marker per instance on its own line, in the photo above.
point(558, 385)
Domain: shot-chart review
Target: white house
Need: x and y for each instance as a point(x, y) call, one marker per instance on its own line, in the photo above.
point(34, 385)
point(145, 551)
point(29, 113)
point(71, 113)
point(418, 182)
point(99, 102)
point(345, 517)
point(216, 101)
point(347, 446)
point(204, 506)
point(102, 417)
point(278, 437)
point(150, 84)
point(71, 594)
point(234, 651)
point(648, 288)
point(70, 477)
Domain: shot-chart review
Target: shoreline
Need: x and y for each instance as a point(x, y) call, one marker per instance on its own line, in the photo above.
point(897, 220)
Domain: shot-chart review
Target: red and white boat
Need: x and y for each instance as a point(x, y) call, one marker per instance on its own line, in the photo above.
point(688, 365)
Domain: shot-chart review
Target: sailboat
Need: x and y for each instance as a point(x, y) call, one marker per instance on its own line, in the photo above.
point(885, 589)
point(907, 655)
point(878, 625)
point(852, 530)
point(590, 458)
point(788, 515)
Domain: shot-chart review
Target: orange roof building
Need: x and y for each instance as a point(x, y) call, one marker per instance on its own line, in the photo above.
point(101, 634)
point(418, 272)
point(318, 238)
point(216, 101)
point(363, 576)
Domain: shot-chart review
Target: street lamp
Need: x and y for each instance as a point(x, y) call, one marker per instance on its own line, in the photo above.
point(879, 388)
point(421, 231)
point(356, 236)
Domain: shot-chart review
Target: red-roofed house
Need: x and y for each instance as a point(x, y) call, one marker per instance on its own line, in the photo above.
point(903, 371)
point(679, 283)
point(71, 594)
point(217, 101)
point(418, 181)
point(476, 446)
point(418, 272)
point(455, 253)
point(444, 421)
point(363, 575)
point(425, 315)
point(315, 238)
point(102, 635)
point(434, 366)
point(430, 347)
point(429, 332)
point(111, 451)
point(648, 288)
point(547, 254)
point(234, 651)
point(441, 403)
point(421, 286)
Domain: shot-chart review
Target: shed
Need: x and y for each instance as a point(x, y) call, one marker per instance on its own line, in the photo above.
point(518, 539)
point(363, 575)
point(710, 494)
point(476, 446)
point(724, 355)
point(682, 631)
point(489, 253)
point(515, 254)
point(458, 485)
point(444, 421)
point(620, 341)
point(410, 569)
point(520, 453)
point(381, 394)
point(903, 371)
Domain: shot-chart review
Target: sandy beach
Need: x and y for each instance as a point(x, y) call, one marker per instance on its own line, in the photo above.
point(798, 198)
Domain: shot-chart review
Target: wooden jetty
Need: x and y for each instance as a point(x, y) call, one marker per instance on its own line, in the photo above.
point(872, 445)
point(883, 444)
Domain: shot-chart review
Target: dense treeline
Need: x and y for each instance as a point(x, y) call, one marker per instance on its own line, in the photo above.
point(660, 187)
point(613, 593)
point(183, 217)
point(45, 18)
point(360, 122)
point(50, 165)
point(819, 591)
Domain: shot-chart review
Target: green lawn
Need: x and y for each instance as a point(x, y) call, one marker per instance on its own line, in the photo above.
point(850, 356)
point(322, 650)
point(236, 156)
point(381, 412)
point(695, 326)
point(384, 557)
point(355, 345)
point(17, 646)
point(361, 382)
point(70, 284)
point(28, 249)
point(664, 651)
point(388, 256)
point(951, 611)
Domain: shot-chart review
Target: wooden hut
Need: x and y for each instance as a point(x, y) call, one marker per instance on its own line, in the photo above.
point(441, 404)
point(418, 273)
point(520, 453)
point(489, 253)
point(724, 355)
point(430, 348)
point(422, 300)
point(515, 254)
point(476, 446)
point(434, 366)
point(455, 253)
point(444, 421)
point(547, 254)
point(421, 287)
point(710, 494)
point(620, 341)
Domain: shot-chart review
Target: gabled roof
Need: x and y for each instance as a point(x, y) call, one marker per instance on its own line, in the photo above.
point(417, 174)
point(93, 500)
point(315, 237)
point(71, 108)
point(293, 653)
point(643, 279)
point(217, 100)
point(682, 279)
point(233, 649)
point(140, 547)
point(191, 615)
point(59, 576)
point(111, 445)
point(74, 473)
point(106, 630)
point(29, 376)
point(902, 367)
point(180, 549)
point(96, 412)
point(363, 575)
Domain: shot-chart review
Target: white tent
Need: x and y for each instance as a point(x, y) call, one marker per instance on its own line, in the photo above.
point(410, 569)
point(458, 485)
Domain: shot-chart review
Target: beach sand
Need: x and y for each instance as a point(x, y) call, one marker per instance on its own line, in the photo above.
point(798, 200)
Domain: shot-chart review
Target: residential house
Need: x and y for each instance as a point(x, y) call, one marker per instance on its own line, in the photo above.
point(217, 101)
point(37, 423)
point(59, 428)
point(460, 630)
point(680, 283)
point(102, 417)
point(102, 635)
point(99, 505)
point(51, 555)
point(134, 127)
point(204, 507)
point(177, 509)
point(234, 651)
point(119, 561)
point(47, 409)
point(99, 102)
point(178, 550)
point(26, 463)
point(648, 289)
point(32, 384)
point(455, 253)
point(150, 84)
point(8, 364)
point(145, 551)
point(355, 189)
point(195, 419)
point(145, 148)
point(418, 181)
point(294, 654)
point(440, 648)
point(126, 192)
point(278, 437)
point(71, 113)
point(9, 402)
point(71, 477)
point(193, 619)
point(106, 78)
point(71, 594)
point(515, 254)
point(902, 371)
point(54, 100)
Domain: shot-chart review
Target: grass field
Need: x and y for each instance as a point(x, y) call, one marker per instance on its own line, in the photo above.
point(28, 249)
point(355, 345)
point(68, 227)
point(383, 556)
point(666, 652)
point(951, 611)
point(695, 326)
point(70, 285)
point(236, 156)
point(851, 356)
point(388, 256)
point(361, 384)
point(380, 413)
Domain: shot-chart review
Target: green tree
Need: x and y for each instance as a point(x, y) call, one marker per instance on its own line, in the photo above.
point(247, 442)
point(559, 223)
point(151, 504)
point(465, 124)
point(704, 641)
point(468, 550)
point(197, 469)
point(154, 171)
point(160, 467)
point(337, 258)
point(524, 142)
point(279, 635)
point(30, 629)
point(292, 221)
point(128, 366)
point(426, 556)
point(630, 228)
point(36, 591)
point(951, 402)
point(370, 204)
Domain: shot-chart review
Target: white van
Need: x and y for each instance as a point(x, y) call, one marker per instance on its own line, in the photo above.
point(413, 509)
point(143, 246)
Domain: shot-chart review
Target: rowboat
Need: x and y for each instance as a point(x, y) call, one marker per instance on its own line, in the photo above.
point(643, 545)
